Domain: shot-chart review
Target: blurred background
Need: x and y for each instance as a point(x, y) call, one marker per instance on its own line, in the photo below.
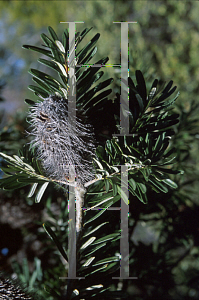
point(164, 44)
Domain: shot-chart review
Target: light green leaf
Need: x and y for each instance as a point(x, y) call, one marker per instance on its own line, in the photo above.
point(95, 229)
point(106, 260)
point(90, 241)
point(88, 262)
point(32, 190)
point(123, 195)
point(99, 164)
point(170, 183)
point(107, 185)
point(106, 238)
point(62, 69)
point(92, 250)
point(41, 192)
point(60, 46)
point(132, 183)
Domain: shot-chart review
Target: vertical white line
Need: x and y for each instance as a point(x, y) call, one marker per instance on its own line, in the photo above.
point(124, 96)
point(124, 99)
point(124, 245)
point(72, 235)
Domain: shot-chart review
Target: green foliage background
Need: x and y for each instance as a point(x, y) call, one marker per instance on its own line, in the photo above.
point(163, 44)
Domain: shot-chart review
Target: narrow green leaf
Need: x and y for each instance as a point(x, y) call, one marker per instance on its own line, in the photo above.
point(140, 102)
point(88, 262)
point(95, 216)
point(90, 45)
point(38, 91)
point(142, 187)
point(106, 260)
point(114, 189)
point(46, 40)
point(41, 192)
point(95, 229)
point(11, 183)
point(84, 33)
point(96, 270)
point(99, 164)
point(99, 98)
point(107, 185)
point(141, 85)
point(168, 86)
point(6, 171)
point(166, 95)
point(60, 46)
point(123, 195)
point(92, 250)
point(52, 33)
point(171, 151)
point(44, 87)
point(48, 63)
point(169, 171)
point(159, 186)
point(170, 183)
point(132, 183)
point(90, 55)
point(65, 39)
point(90, 241)
point(37, 49)
point(53, 236)
point(32, 190)
point(30, 102)
point(159, 142)
point(138, 193)
point(106, 238)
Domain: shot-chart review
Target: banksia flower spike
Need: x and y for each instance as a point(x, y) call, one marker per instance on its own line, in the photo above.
point(13, 291)
point(62, 144)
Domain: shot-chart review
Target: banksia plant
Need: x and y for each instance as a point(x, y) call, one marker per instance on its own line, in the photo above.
point(70, 149)
point(12, 290)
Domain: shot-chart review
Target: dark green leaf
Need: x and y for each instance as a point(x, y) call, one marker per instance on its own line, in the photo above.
point(55, 240)
point(80, 55)
point(30, 102)
point(40, 50)
point(159, 186)
point(47, 40)
point(141, 85)
point(65, 39)
point(50, 64)
point(169, 171)
point(38, 91)
point(44, 87)
point(52, 33)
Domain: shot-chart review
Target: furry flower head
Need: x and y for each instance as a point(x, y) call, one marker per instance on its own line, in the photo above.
point(65, 148)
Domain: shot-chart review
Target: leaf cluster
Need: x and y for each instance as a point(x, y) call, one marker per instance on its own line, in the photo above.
point(145, 152)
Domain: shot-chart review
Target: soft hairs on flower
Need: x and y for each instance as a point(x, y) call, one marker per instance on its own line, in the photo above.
point(60, 142)
point(13, 290)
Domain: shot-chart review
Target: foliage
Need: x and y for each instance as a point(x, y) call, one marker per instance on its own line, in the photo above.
point(149, 154)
